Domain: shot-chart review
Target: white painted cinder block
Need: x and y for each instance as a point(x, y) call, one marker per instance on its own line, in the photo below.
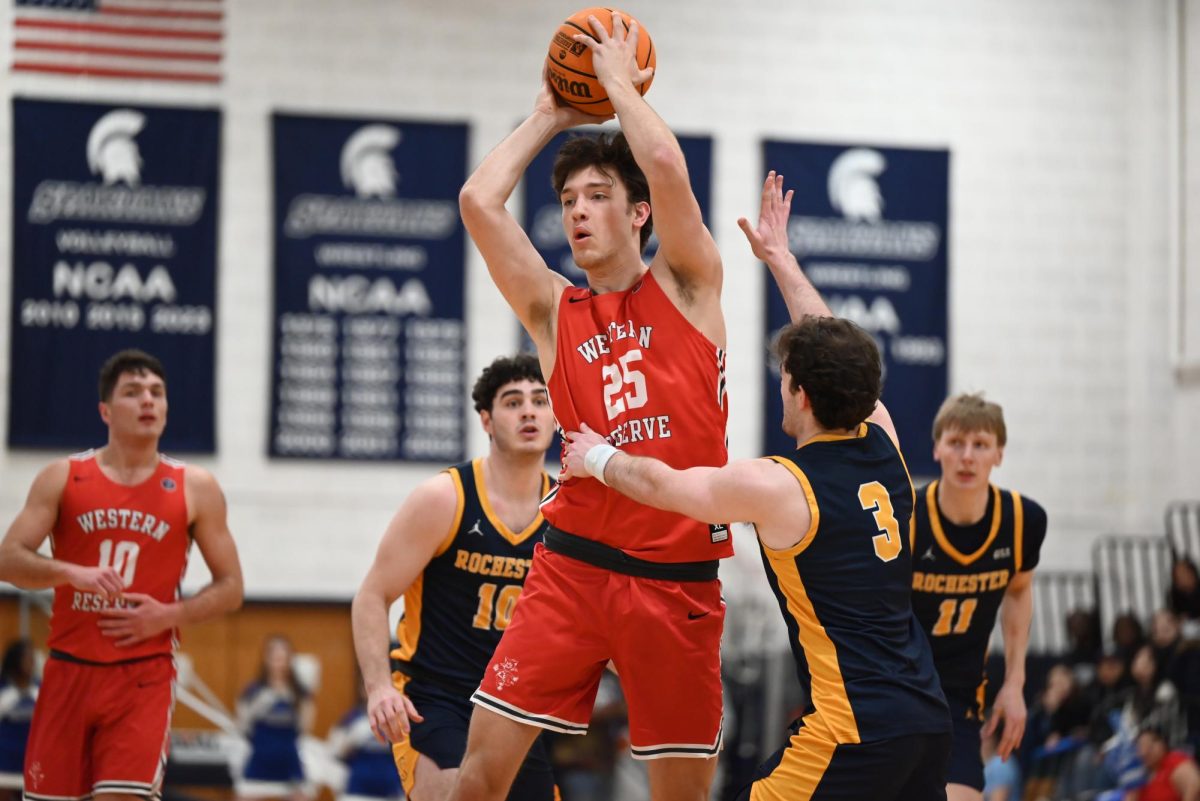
point(1055, 117)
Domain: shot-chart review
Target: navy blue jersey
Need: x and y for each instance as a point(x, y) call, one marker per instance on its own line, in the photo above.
point(844, 593)
point(960, 575)
point(458, 608)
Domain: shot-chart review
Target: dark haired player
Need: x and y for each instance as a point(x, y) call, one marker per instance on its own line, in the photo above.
point(831, 518)
point(638, 355)
point(121, 521)
point(458, 550)
point(975, 546)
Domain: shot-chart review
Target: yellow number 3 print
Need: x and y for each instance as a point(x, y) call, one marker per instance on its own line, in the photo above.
point(874, 498)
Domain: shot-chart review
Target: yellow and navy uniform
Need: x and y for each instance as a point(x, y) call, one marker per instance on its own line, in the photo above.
point(960, 575)
point(454, 615)
point(876, 724)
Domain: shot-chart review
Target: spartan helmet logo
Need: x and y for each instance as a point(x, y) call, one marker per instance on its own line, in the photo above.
point(852, 187)
point(367, 165)
point(112, 152)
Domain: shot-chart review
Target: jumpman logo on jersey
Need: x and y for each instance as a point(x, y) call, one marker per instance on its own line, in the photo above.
point(929, 554)
point(475, 528)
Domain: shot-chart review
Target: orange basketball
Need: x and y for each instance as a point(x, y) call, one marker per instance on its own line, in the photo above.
point(569, 63)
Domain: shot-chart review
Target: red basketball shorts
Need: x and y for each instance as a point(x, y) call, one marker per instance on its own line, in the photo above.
point(663, 638)
point(100, 729)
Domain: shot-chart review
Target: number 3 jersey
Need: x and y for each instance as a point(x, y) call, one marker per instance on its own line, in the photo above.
point(960, 575)
point(633, 368)
point(140, 531)
point(843, 590)
point(458, 608)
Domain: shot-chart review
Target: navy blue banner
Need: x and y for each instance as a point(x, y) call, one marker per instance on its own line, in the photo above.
point(369, 280)
point(114, 246)
point(869, 224)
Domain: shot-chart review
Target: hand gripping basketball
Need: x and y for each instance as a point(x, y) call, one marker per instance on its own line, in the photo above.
point(593, 47)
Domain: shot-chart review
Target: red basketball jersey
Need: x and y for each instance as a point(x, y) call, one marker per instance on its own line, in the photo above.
point(139, 531)
point(632, 367)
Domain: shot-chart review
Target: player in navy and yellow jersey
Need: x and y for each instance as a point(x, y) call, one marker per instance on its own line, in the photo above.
point(975, 548)
point(832, 519)
point(458, 551)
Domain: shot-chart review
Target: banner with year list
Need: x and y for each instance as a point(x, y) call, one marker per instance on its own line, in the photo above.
point(869, 225)
point(114, 247)
point(369, 283)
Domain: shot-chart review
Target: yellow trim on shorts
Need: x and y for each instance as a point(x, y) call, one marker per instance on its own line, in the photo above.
point(800, 770)
point(403, 754)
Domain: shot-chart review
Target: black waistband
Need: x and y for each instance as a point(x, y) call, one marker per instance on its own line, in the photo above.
point(63, 656)
point(600, 555)
point(423, 676)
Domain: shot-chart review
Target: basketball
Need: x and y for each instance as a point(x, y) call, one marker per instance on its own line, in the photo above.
point(569, 63)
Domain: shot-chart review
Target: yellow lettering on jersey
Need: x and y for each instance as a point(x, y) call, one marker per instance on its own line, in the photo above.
point(874, 498)
point(946, 616)
point(486, 564)
point(958, 584)
point(502, 609)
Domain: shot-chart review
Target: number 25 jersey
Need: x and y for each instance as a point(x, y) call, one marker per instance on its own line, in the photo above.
point(633, 368)
point(140, 531)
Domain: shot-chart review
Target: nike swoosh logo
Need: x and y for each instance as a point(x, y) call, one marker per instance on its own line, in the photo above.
point(579, 300)
point(696, 615)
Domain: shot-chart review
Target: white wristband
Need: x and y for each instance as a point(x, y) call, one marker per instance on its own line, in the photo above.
point(596, 459)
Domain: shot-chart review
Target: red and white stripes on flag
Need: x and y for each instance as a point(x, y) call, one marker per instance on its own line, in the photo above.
point(163, 40)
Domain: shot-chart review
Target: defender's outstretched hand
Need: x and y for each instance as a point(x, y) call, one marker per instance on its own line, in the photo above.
point(769, 240)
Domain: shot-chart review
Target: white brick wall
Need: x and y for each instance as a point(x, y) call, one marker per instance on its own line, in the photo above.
point(1055, 116)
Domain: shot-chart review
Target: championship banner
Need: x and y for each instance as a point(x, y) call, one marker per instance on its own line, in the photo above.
point(369, 284)
point(869, 225)
point(543, 213)
point(114, 246)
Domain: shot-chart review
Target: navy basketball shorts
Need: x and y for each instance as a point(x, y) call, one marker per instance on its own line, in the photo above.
point(442, 737)
point(966, 759)
point(911, 768)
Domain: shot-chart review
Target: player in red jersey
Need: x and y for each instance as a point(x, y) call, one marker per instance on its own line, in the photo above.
point(121, 521)
point(638, 355)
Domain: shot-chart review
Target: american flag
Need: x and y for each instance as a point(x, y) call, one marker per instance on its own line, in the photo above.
point(165, 40)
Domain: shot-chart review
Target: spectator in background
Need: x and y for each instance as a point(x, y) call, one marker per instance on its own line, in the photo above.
point(1166, 640)
point(1107, 694)
point(1128, 636)
point(18, 692)
point(372, 773)
point(1171, 775)
point(1083, 637)
point(1058, 726)
point(1184, 596)
point(1001, 777)
point(1152, 702)
point(273, 712)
